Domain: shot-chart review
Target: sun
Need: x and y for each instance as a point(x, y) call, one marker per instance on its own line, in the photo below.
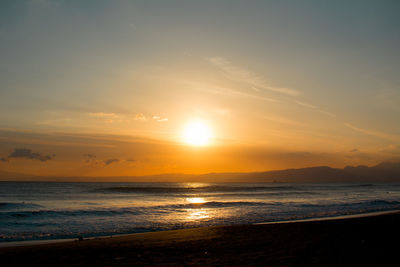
point(197, 133)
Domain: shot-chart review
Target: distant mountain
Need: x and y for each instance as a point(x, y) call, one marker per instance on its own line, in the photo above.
point(383, 172)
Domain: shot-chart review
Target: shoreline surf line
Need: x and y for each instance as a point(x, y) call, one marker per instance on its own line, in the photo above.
point(338, 217)
point(27, 243)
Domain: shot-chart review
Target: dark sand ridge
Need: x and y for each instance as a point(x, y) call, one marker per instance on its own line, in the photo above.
point(372, 240)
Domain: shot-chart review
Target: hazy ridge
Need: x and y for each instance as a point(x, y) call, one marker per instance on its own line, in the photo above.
point(383, 172)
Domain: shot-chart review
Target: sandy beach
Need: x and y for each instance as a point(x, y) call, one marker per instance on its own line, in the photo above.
point(370, 240)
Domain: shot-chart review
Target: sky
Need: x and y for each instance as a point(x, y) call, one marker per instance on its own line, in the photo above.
point(106, 88)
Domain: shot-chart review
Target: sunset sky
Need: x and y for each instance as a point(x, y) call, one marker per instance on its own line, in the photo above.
point(108, 88)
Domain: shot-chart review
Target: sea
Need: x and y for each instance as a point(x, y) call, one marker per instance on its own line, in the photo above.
point(53, 210)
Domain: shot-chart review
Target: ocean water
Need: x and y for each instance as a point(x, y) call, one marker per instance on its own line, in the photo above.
point(42, 210)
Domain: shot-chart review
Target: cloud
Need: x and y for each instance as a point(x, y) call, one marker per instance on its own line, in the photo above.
point(105, 117)
point(159, 119)
point(307, 105)
point(110, 161)
point(93, 161)
point(224, 91)
point(140, 117)
point(103, 114)
point(115, 117)
point(382, 135)
point(258, 84)
point(392, 149)
point(357, 154)
point(333, 115)
point(255, 81)
point(28, 154)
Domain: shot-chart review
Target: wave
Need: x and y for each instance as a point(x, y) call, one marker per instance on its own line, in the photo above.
point(358, 185)
point(162, 209)
point(366, 204)
point(248, 194)
point(138, 189)
point(220, 204)
point(127, 210)
point(68, 213)
point(17, 205)
point(284, 204)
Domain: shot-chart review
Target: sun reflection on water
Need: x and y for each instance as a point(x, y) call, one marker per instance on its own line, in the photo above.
point(196, 200)
point(197, 214)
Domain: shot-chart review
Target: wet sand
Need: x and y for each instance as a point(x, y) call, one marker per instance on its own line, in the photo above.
point(371, 240)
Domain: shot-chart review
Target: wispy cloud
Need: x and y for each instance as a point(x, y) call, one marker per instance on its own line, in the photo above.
point(104, 114)
point(382, 135)
point(310, 106)
point(159, 119)
point(256, 82)
point(330, 114)
point(305, 104)
point(119, 117)
point(105, 117)
point(224, 91)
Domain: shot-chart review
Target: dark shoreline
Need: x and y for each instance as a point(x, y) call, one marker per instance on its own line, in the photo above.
point(371, 240)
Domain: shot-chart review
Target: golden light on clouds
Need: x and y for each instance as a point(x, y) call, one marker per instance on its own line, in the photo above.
point(197, 133)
